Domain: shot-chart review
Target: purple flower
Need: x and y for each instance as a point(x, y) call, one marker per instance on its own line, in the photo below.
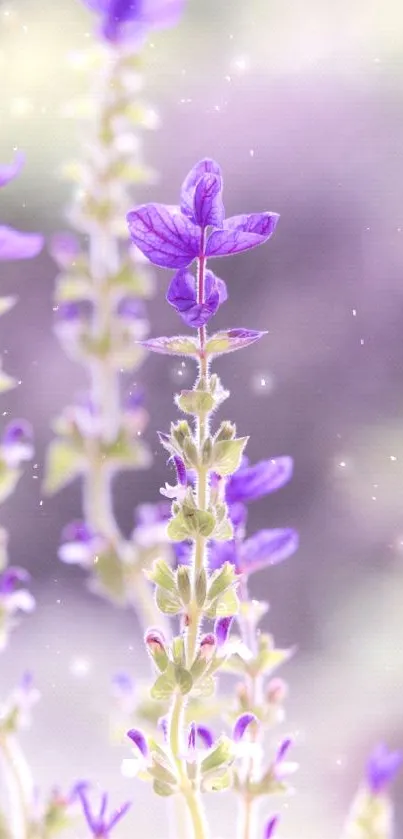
point(16, 442)
point(12, 598)
point(252, 482)
point(182, 295)
point(130, 20)
point(12, 170)
point(99, 823)
point(242, 724)
point(65, 248)
point(151, 524)
point(17, 245)
point(382, 769)
point(222, 629)
point(131, 308)
point(137, 737)
point(174, 236)
point(79, 544)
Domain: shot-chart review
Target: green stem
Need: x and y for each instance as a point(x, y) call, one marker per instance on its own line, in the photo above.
point(19, 782)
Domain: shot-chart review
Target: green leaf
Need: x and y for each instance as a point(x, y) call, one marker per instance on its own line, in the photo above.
point(183, 679)
point(160, 788)
point(183, 581)
point(177, 529)
point(162, 575)
point(230, 340)
point(73, 288)
point(165, 685)
point(168, 603)
point(178, 650)
point(172, 346)
point(225, 605)
point(198, 522)
point(227, 455)
point(217, 783)
point(222, 753)
point(161, 772)
point(196, 402)
point(109, 571)
point(224, 531)
point(63, 465)
point(221, 580)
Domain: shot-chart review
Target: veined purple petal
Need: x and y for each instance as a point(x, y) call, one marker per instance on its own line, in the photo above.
point(165, 237)
point(208, 203)
point(10, 171)
point(222, 290)
point(252, 482)
point(137, 737)
point(203, 167)
point(241, 233)
point(17, 245)
point(222, 629)
point(266, 548)
point(206, 736)
point(182, 295)
point(243, 722)
point(270, 827)
point(382, 769)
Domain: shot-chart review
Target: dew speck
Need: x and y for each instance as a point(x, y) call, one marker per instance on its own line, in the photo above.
point(79, 666)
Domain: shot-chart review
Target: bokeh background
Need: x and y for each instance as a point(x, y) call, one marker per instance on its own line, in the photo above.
point(302, 104)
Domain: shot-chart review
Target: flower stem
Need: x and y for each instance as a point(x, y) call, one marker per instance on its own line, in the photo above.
point(19, 782)
point(248, 804)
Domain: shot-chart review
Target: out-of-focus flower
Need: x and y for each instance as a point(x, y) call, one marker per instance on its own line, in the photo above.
point(173, 237)
point(65, 248)
point(16, 442)
point(270, 827)
point(264, 549)
point(252, 482)
point(17, 711)
point(17, 245)
point(150, 524)
point(99, 823)
point(124, 692)
point(132, 766)
point(80, 544)
point(382, 768)
point(13, 598)
point(131, 20)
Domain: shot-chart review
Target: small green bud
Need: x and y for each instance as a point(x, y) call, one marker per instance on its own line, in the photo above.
point(207, 451)
point(201, 588)
point(165, 685)
point(190, 453)
point(196, 402)
point(226, 431)
point(178, 650)
point(183, 583)
point(207, 647)
point(180, 432)
point(161, 772)
point(169, 604)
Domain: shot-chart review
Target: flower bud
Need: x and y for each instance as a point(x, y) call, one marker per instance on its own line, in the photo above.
point(226, 431)
point(277, 691)
point(183, 582)
point(156, 646)
point(207, 647)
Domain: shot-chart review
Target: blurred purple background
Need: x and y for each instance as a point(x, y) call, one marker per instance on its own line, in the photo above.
point(302, 105)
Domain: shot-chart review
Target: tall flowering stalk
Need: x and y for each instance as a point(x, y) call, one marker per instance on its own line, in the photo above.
point(101, 316)
point(203, 460)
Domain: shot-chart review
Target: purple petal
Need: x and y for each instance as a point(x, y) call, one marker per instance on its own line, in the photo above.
point(17, 245)
point(206, 735)
point(230, 340)
point(382, 768)
point(243, 722)
point(206, 166)
point(266, 548)
point(131, 308)
point(165, 237)
point(183, 552)
point(103, 807)
point(192, 737)
point(10, 171)
point(180, 470)
point(10, 578)
point(147, 515)
point(252, 482)
point(137, 737)
point(64, 248)
point(129, 20)
point(208, 203)
point(182, 295)
point(122, 684)
point(82, 794)
point(241, 233)
point(17, 431)
point(117, 816)
point(270, 827)
point(222, 628)
point(78, 531)
point(222, 290)
point(282, 750)
point(221, 552)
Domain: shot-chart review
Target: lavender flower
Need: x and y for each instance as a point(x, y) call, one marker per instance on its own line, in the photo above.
point(100, 824)
point(130, 20)
point(382, 769)
point(173, 237)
